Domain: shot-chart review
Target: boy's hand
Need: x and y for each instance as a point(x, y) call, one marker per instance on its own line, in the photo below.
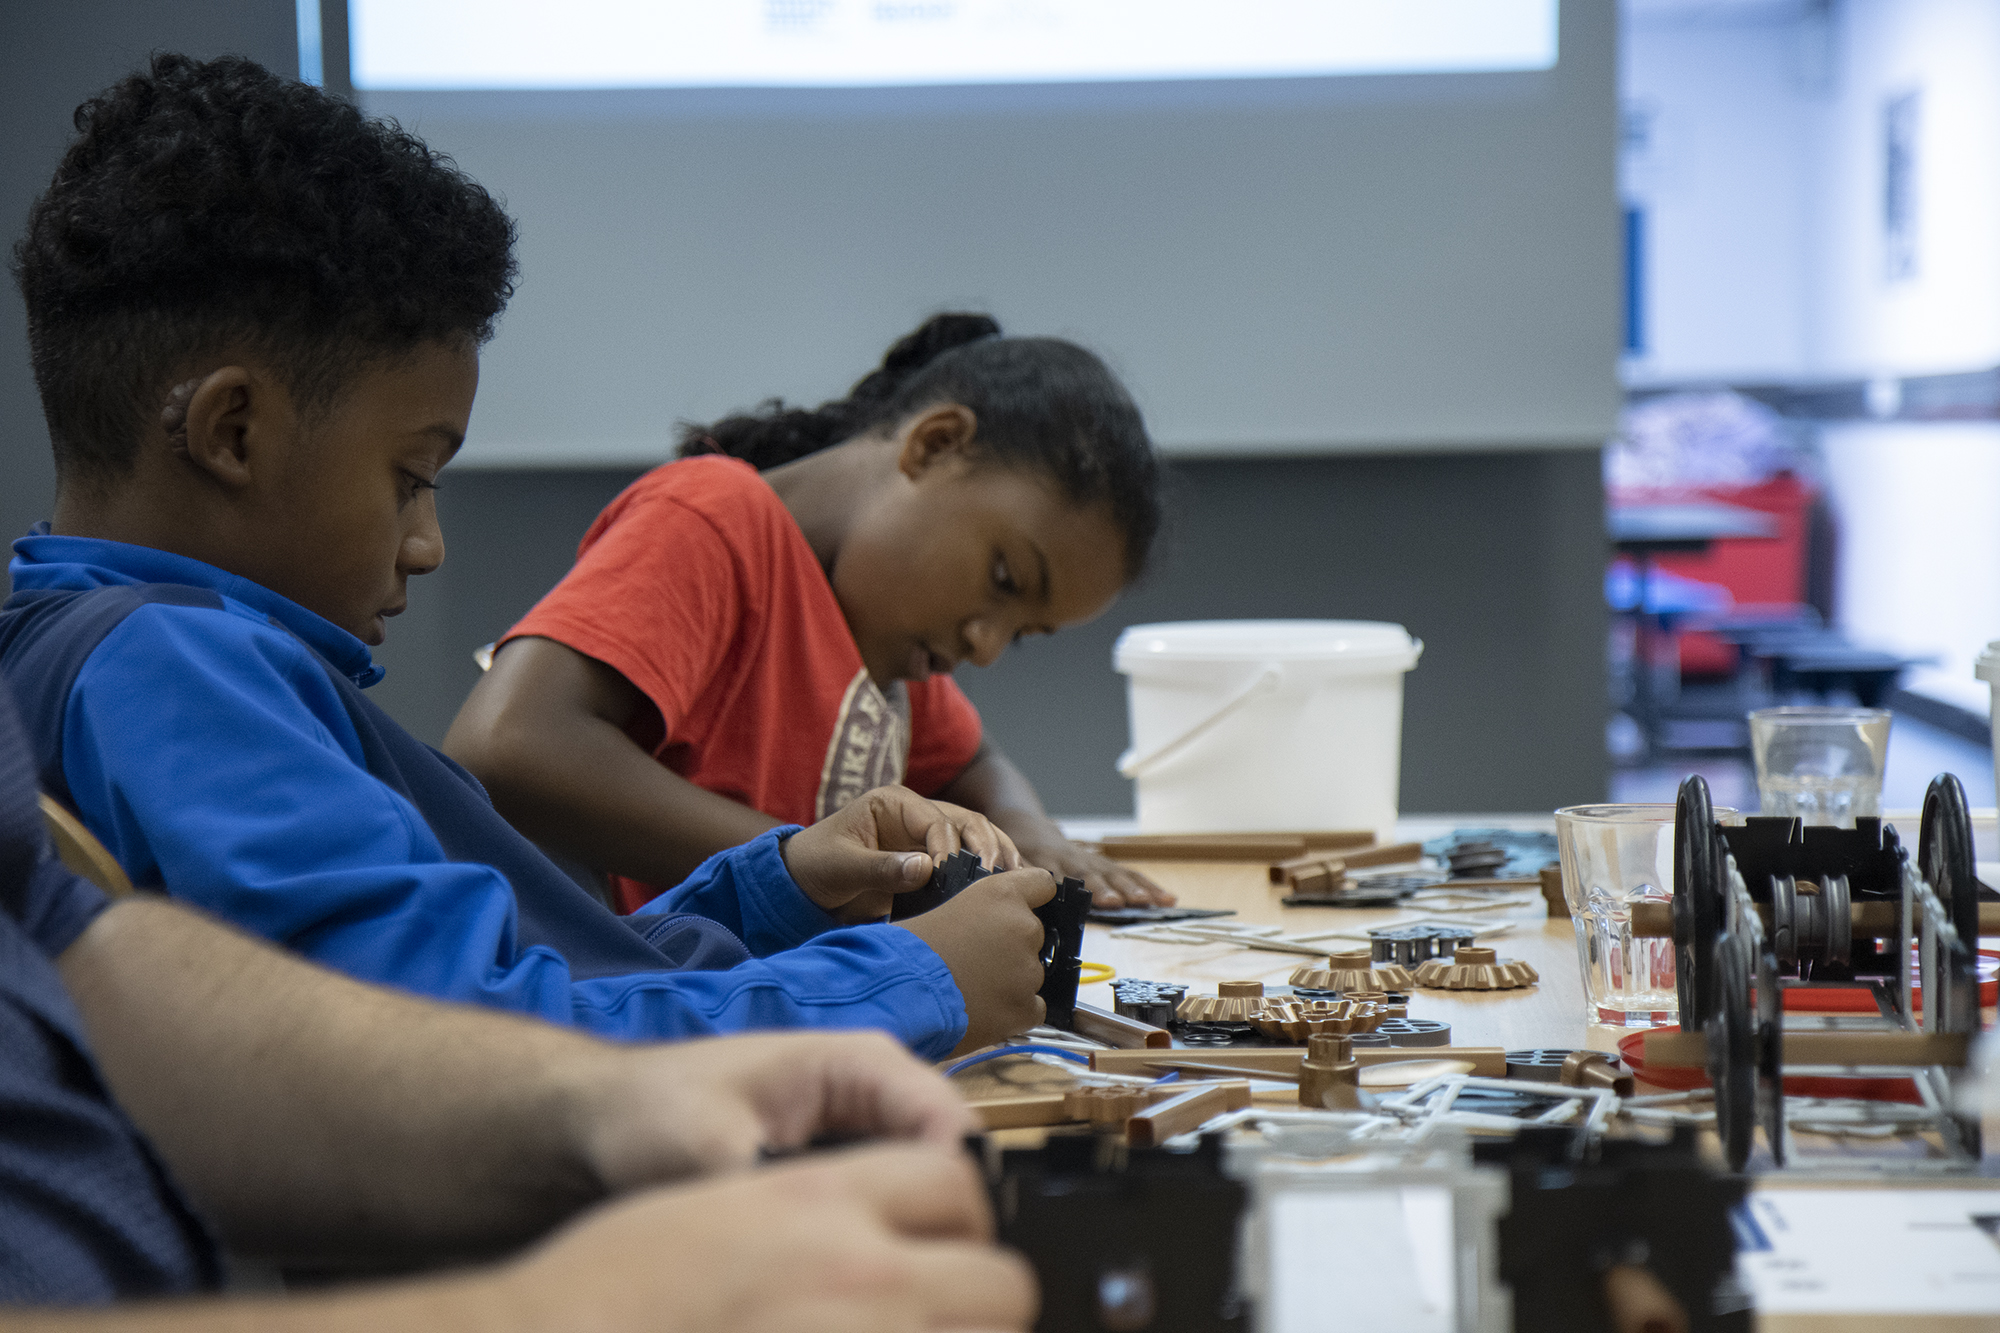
point(883, 843)
point(991, 939)
point(1111, 883)
point(650, 1114)
point(882, 1240)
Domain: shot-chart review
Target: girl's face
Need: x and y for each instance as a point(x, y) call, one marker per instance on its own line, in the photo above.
point(955, 558)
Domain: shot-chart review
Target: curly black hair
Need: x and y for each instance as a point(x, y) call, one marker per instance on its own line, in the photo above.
point(212, 204)
point(1041, 403)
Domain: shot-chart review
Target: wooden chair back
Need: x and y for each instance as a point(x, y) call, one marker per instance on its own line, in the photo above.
point(82, 852)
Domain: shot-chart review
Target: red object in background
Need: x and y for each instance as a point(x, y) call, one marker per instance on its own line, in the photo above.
point(1760, 570)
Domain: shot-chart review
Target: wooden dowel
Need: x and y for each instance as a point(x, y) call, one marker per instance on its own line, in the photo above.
point(1871, 919)
point(1118, 1030)
point(1019, 1110)
point(1487, 1061)
point(1266, 847)
point(1394, 854)
point(1901, 1049)
point(1177, 1115)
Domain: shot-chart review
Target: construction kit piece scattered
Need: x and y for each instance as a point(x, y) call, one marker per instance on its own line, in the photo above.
point(1476, 968)
point(1108, 1108)
point(1329, 1075)
point(1117, 1029)
point(1406, 1072)
point(1229, 846)
point(1190, 1110)
point(1233, 1002)
point(1282, 1062)
point(1415, 1032)
point(1411, 945)
point(1571, 1068)
point(1552, 892)
point(1355, 971)
point(1150, 1002)
point(1303, 1019)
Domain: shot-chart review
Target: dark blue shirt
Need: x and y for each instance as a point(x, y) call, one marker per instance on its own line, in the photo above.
point(87, 1212)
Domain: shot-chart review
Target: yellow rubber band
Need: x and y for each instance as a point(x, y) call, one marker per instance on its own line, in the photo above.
point(1093, 973)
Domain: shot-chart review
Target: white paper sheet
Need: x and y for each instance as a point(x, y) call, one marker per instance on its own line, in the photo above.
point(1877, 1251)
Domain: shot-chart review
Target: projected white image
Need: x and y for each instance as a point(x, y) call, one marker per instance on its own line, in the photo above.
point(448, 44)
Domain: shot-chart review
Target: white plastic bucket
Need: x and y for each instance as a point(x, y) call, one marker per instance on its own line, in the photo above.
point(1243, 726)
point(1987, 667)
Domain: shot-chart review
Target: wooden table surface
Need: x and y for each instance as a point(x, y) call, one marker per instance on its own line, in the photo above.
point(1548, 1014)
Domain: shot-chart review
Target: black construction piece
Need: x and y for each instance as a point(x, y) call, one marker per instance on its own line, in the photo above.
point(1654, 1206)
point(1138, 1239)
point(1062, 928)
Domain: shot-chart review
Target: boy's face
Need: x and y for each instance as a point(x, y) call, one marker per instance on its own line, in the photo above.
point(346, 510)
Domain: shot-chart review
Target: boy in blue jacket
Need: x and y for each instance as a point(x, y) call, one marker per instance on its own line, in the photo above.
point(255, 318)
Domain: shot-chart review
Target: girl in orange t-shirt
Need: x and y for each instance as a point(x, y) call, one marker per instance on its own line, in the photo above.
point(754, 642)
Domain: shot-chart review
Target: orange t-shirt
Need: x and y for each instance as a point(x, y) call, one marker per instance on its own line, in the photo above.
point(697, 586)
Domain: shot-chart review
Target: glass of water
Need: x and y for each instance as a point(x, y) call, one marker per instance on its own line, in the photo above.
point(1823, 765)
point(1612, 857)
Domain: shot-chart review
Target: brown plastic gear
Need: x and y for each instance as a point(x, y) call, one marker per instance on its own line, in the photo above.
point(1353, 971)
point(1472, 968)
point(1302, 1019)
point(1107, 1106)
point(1233, 1002)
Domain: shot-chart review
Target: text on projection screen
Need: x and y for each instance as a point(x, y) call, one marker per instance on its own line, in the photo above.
point(447, 44)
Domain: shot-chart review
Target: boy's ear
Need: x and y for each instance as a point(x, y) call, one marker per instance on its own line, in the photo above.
point(218, 422)
point(936, 433)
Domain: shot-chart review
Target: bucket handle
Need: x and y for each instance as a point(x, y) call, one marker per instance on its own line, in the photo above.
point(1133, 765)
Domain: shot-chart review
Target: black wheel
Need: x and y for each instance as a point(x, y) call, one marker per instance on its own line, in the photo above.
point(1732, 1057)
point(1944, 859)
point(1770, 1053)
point(1698, 901)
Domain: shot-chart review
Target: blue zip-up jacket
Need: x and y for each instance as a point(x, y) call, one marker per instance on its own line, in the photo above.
point(214, 735)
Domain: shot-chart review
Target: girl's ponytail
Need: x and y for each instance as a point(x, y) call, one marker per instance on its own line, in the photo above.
point(774, 433)
point(1040, 404)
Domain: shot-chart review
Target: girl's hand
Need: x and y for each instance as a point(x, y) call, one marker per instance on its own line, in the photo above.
point(887, 842)
point(1111, 883)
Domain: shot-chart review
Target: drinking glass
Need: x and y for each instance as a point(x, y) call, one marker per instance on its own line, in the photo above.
point(1612, 857)
point(1823, 765)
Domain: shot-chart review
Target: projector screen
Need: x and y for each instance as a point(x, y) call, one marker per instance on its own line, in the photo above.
point(839, 43)
point(1275, 265)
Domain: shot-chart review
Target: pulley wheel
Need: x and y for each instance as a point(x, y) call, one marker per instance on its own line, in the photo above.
point(1698, 900)
point(1944, 859)
point(1770, 1053)
point(1732, 1057)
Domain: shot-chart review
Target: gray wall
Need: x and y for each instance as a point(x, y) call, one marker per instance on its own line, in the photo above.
point(53, 54)
point(1493, 559)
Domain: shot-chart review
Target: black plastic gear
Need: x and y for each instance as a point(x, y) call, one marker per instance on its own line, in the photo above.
point(1544, 1065)
point(1698, 903)
point(1770, 1053)
point(1732, 1058)
point(1415, 1032)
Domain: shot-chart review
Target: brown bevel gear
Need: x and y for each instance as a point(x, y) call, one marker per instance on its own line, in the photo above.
point(1107, 1106)
point(1301, 1019)
point(1474, 968)
point(1233, 1002)
point(1353, 971)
